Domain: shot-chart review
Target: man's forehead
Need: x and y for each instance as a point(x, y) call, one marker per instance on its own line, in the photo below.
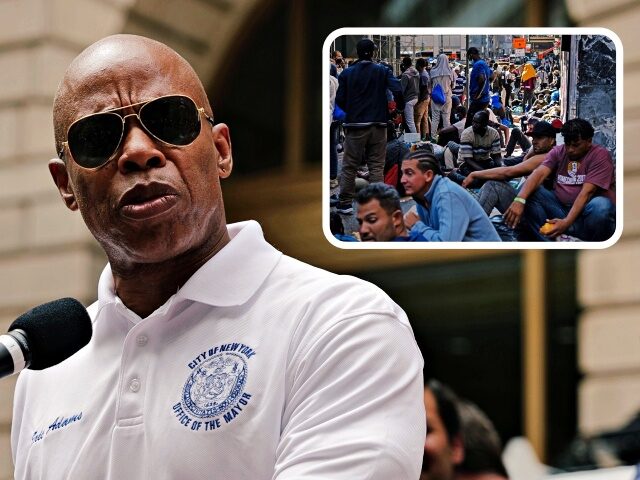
point(372, 206)
point(123, 70)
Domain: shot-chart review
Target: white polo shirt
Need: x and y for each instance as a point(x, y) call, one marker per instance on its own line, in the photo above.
point(259, 367)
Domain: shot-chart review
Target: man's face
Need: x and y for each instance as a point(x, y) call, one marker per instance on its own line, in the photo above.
point(440, 456)
point(414, 181)
point(542, 144)
point(376, 225)
point(576, 149)
point(479, 124)
point(181, 182)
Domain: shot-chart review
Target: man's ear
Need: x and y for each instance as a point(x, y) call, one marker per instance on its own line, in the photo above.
point(397, 218)
point(222, 142)
point(60, 176)
point(457, 450)
point(428, 175)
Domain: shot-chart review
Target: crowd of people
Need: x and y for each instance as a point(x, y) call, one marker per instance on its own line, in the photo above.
point(489, 160)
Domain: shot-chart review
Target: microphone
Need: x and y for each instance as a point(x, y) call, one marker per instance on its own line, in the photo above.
point(44, 336)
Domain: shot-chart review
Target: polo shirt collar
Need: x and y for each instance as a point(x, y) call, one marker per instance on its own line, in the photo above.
point(432, 189)
point(229, 278)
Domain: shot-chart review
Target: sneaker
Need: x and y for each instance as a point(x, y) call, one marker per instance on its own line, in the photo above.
point(333, 183)
point(344, 208)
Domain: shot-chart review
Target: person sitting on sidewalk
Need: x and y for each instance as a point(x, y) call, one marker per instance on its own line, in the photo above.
point(497, 191)
point(379, 215)
point(446, 212)
point(582, 203)
point(479, 148)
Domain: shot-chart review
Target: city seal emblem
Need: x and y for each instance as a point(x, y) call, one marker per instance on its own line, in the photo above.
point(215, 385)
point(214, 394)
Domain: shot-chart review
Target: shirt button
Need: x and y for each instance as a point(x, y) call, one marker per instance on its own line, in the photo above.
point(142, 340)
point(134, 385)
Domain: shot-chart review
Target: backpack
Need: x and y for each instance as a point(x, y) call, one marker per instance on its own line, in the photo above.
point(437, 95)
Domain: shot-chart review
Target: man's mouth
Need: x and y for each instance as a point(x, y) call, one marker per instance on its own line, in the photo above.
point(145, 201)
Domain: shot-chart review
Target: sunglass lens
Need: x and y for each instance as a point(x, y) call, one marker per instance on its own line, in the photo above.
point(93, 139)
point(174, 120)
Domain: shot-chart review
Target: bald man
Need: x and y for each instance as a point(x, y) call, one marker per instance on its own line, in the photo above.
point(213, 355)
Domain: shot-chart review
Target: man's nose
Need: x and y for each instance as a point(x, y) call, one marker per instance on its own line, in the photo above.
point(139, 150)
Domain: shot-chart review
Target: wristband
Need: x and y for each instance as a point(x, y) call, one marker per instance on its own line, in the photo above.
point(520, 200)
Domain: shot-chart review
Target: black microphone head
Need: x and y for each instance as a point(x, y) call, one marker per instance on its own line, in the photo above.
point(55, 331)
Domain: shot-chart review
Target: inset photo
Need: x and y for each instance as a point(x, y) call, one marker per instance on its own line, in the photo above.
point(472, 138)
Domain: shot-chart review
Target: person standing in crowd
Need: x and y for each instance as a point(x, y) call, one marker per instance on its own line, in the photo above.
point(410, 83)
point(528, 85)
point(422, 107)
point(338, 61)
point(478, 85)
point(362, 94)
point(333, 128)
point(509, 79)
point(461, 81)
point(442, 77)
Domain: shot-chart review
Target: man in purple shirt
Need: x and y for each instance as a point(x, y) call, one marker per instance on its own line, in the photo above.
point(582, 202)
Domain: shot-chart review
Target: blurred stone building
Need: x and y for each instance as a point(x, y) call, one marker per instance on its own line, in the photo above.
point(261, 64)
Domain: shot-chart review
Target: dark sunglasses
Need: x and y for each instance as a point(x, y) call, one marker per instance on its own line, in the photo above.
point(93, 140)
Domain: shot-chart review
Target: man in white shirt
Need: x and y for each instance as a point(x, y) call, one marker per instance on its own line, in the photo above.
point(213, 355)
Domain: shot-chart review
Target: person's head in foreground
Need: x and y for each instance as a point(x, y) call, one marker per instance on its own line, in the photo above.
point(379, 213)
point(443, 447)
point(482, 446)
point(480, 122)
point(419, 169)
point(578, 137)
point(141, 160)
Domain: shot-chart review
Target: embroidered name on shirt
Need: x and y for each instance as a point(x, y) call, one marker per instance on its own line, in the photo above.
point(57, 424)
point(213, 394)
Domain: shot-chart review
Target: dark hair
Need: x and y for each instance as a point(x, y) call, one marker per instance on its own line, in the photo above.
point(577, 129)
point(482, 445)
point(406, 61)
point(385, 194)
point(473, 51)
point(365, 49)
point(421, 63)
point(485, 116)
point(426, 160)
point(461, 110)
point(447, 408)
point(335, 224)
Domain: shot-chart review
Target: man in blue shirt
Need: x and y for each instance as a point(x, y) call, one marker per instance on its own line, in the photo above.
point(478, 85)
point(362, 95)
point(446, 211)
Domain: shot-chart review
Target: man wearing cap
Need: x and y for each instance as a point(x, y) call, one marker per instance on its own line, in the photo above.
point(582, 202)
point(362, 95)
point(446, 212)
point(478, 85)
point(497, 191)
point(213, 354)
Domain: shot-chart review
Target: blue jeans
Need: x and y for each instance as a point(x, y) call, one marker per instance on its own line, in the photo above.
point(596, 223)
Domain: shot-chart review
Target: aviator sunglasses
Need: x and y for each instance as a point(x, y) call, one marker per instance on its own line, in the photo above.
point(93, 140)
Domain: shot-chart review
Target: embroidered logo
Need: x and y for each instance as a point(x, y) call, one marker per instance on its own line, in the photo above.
point(213, 394)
